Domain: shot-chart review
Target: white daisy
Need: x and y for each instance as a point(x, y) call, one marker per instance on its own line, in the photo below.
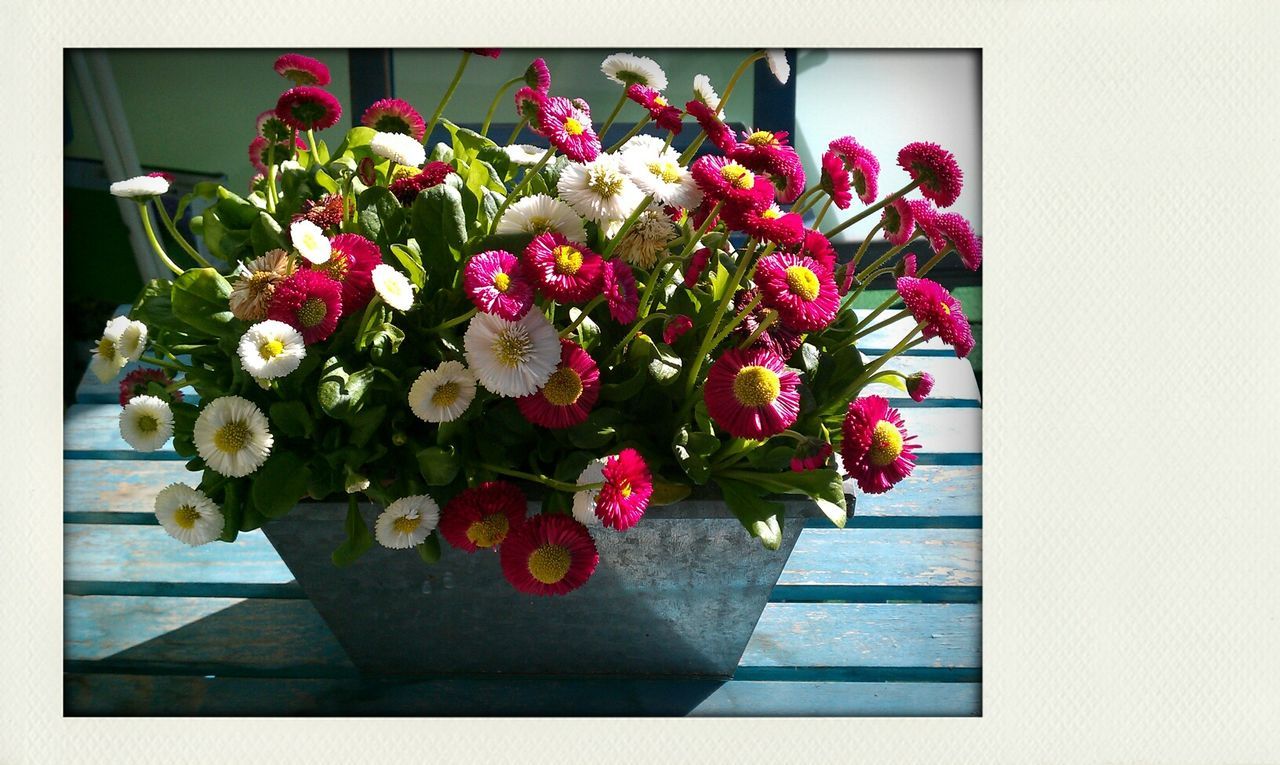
point(512, 358)
point(629, 69)
point(146, 423)
point(539, 214)
point(141, 187)
point(444, 393)
point(188, 515)
point(523, 154)
point(704, 92)
point(647, 238)
point(132, 340)
point(393, 287)
point(663, 177)
point(584, 502)
point(599, 190)
point(777, 61)
point(271, 349)
point(646, 145)
point(406, 522)
point(399, 148)
point(310, 242)
point(107, 360)
point(291, 164)
point(232, 437)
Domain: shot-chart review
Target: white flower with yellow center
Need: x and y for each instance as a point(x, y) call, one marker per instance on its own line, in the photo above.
point(630, 69)
point(140, 187)
point(271, 349)
point(776, 58)
point(704, 92)
point(539, 214)
point(107, 360)
point(406, 522)
point(524, 154)
point(663, 177)
point(399, 148)
point(232, 437)
point(310, 242)
point(647, 145)
point(393, 287)
point(584, 501)
point(146, 423)
point(599, 191)
point(442, 394)
point(512, 358)
point(132, 340)
point(647, 238)
point(188, 515)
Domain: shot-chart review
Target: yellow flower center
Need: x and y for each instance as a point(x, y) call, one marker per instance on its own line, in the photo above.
point(605, 183)
point(539, 224)
point(549, 563)
point(404, 171)
point(446, 394)
point(660, 101)
point(107, 348)
point(312, 312)
point(624, 488)
point(756, 386)
point(760, 138)
point(568, 259)
point(511, 348)
point(771, 213)
point(406, 524)
point(667, 172)
point(231, 437)
point(148, 424)
point(573, 127)
point(563, 387)
point(264, 281)
point(270, 349)
point(738, 176)
point(488, 531)
point(186, 516)
point(945, 308)
point(886, 444)
point(501, 282)
point(802, 282)
point(335, 267)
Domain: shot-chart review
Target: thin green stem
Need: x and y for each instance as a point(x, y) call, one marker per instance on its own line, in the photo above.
point(626, 225)
point(737, 319)
point(883, 323)
point(177, 237)
point(862, 250)
point(873, 208)
point(797, 204)
point(493, 107)
point(877, 311)
point(935, 260)
point(630, 134)
point(528, 176)
point(311, 145)
point(692, 242)
point(613, 114)
point(519, 126)
point(704, 348)
point(452, 322)
point(582, 315)
point(271, 177)
point(724, 101)
point(542, 479)
point(448, 94)
point(760, 330)
point(174, 365)
point(870, 370)
point(822, 213)
point(635, 330)
point(151, 237)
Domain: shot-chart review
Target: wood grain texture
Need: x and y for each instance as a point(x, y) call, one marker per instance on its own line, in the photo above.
point(890, 335)
point(94, 552)
point(886, 557)
point(954, 383)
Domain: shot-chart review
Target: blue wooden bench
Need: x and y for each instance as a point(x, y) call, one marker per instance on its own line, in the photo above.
point(881, 618)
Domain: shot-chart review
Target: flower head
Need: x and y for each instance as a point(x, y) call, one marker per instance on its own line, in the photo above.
point(308, 301)
point(919, 385)
point(898, 222)
point(538, 76)
point(662, 176)
point(107, 361)
point(675, 328)
point(524, 154)
point(660, 110)
point(810, 454)
point(959, 234)
point(132, 340)
point(481, 517)
point(628, 485)
point(926, 217)
point(697, 264)
point(255, 284)
point(271, 128)
point(512, 358)
point(907, 267)
point(326, 212)
point(836, 180)
point(309, 240)
point(944, 318)
point(599, 190)
point(565, 271)
point(140, 187)
point(751, 394)
point(802, 290)
point(567, 397)
point(394, 115)
point(777, 337)
point(232, 437)
point(407, 187)
point(720, 134)
point(187, 515)
point(568, 127)
point(647, 238)
point(303, 70)
point(548, 555)
point(497, 282)
point(271, 349)
point(936, 170)
point(725, 180)
point(620, 291)
point(146, 423)
point(770, 224)
point(138, 381)
point(818, 247)
point(705, 93)
point(539, 214)
point(263, 152)
point(776, 58)
point(399, 148)
point(393, 287)
point(877, 450)
point(442, 394)
point(630, 69)
point(529, 103)
point(308, 108)
point(407, 522)
point(351, 264)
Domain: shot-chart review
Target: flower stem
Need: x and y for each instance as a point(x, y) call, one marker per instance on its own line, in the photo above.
point(173, 231)
point(870, 370)
point(760, 330)
point(724, 101)
point(857, 258)
point(448, 94)
point(453, 322)
point(882, 323)
point(630, 133)
point(737, 319)
point(873, 208)
point(622, 99)
point(271, 177)
point(493, 107)
point(658, 276)
point(626, 226)
point(933, 262)
point(519, 126)
point(151, 237)
point(707, 340)
point(822, 213)
point(582, 315)
point(175, 366)
point(311, 141)
point(528, 176)
point(542, 479)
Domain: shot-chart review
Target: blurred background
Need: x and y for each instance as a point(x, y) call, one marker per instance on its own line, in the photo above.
point(192, 113)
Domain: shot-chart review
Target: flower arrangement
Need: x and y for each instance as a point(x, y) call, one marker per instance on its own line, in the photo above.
point(440, 329)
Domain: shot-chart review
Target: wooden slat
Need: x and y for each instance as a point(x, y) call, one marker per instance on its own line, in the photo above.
point(91, 391)
point(118, 487)
point(92, 431)
point(93, 552)
point(930, 491)
point(886, 558)
point(890, 335)
point(954, 383)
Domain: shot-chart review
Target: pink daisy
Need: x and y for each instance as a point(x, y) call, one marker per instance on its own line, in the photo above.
point(308, 108)
point(777, 337)
point(935, 168)
point(303, 70)
point(898, 222)
point(407, 188)
point(919, 385)
point(720, 134)
point(877, 450)
point(529, 102)
point(497, 283)
point(393, 115)
point(481, 517)
point(944, 318)
point(486, 52)
point(308, 301)
point(818, 247)
point(926, 217)
point(568, 127)
point(548, 555)
point(957, 231)
point(260, 152)
point(351, 263)
point(567, 272)
point(538, 76)
point(135, 384)
point(751, 394)
point(908, 265)
point(810, 454)
point(272, 128)
point(568, 396)
point(620, 291)
point(770, 224)
point(660, 109)
point(627, 488)
point(675, 328)
point(724, 179)
point(863, 167)
point(801, 289)
point(836, 180)
point(766, 152)
point(697, 262)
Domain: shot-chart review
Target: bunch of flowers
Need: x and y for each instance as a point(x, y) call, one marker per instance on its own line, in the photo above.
point(445, 329)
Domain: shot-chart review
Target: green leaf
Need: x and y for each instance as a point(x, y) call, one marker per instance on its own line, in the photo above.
point(199, 299)
point(356, 137)
point(280, 483)
point(153, 307)
point(429, 548)
point(232, 512)
point(365, 423)
point(439, 225)
point(412, 264)
point(498, 160)
point(466, 143)
point(225, 243)
point(359, 540)
point(891, 379)
point(265, 234)
point(381, 216)
point(665, 493)
point(325, 182)
point(342, 393)
point(291, 418)
point(439, 465)
point(235, 211)
point(824, 487)
point(719, 280)
point(761, 517)
point(835, 371)
point(596, 431)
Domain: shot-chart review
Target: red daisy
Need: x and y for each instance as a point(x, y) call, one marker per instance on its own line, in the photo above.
point(898, 222)
point(724, 179)
point(935, 168)
point(260, 152)
point(538, 76)
point(877, 450)
point(486, 52)
point(919, 385)
point(957, 231)
point(907, 266)
point(135, 384)
point(620, 291)
point(567, 272)
point(325, 212)
point(751, 394)
point(675, 328)
point(777, 337)
point(836, 181)
point(926, 217)
point(863, 167)
point(496, 281)
point(548, 555)
point(943, 315)
point(351, 263)
point(627, 488)
point(407, 188)
point(720, 134)
point(697, 262)
point(308, 108)
point(308, 301)
point(770, 224)
point(801, 289)
point(818, 247)
point(482, 516)
point(272, 128)
point(660, 109)
point(566, 399)
point(529, 103)
point(393, 115)
point(567, 125)
point(303, 70)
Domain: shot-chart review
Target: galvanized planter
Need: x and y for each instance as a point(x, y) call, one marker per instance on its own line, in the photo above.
point(677, 595)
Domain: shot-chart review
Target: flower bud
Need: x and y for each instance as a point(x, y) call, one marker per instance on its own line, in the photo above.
point(919, 385)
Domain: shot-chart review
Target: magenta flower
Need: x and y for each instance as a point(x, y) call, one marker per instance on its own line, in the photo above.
point(260, 152)
point(567, 125)
point(308, 108)
point(697, 262)
point(751, 394)
point(393, 115)
point(926, 218)
point(877, 451)
point(567, 272)
point(271, 127)
point(675, 328)
point(818, 247)
point(810, 454)
point(898, 222)
point(407, 188)
point(486, 52)
point(935, 168)
point(836, 180)
point(352, 259)
point(303, 70)
point(628, 485)
point(908, 265)
point(569, 395)
point(956, 230)
point(720, 134)
point(538, 76)
point(620, 291)
point(777, 337)
point(801, 289)
point(725, 180)
point(660, 110)
point(770, 224)
point(919, 385)
point(135, 384)
point(944, 318)
point(864, 168)
point(496, 281)
point(529, 104)
point(308, 301)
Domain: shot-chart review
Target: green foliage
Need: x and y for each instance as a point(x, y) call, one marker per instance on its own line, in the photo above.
point(359, 540)
point(280, 483)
